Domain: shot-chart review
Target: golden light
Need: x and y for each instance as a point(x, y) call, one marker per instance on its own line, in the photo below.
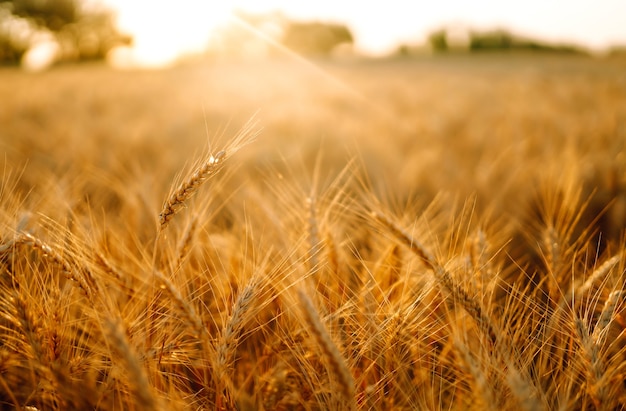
point(164, 30)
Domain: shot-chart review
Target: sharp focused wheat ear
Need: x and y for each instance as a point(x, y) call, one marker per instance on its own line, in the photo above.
point(205, 170)
point(189, 186)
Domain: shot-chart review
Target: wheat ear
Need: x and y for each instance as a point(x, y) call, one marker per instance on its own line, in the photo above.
point(522, 389)
point(597, 274)
point(482, 390)
point(241, 311)
point(136, 374)
point(606, 316)
point(335, 360)
point(443, 277)
point(183, 306)
point(591, 351)
point(245, 307)
point(415, 246)
point(54, 257)
point(30, 325)
point(207, 168)
point(188, 187)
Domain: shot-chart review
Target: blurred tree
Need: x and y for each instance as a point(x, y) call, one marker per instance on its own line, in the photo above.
point(316, 38)
point(502, 40)
point(443, 40)
point(438, 41)
point(82, 30)
point(52, 14)
point(491, 40)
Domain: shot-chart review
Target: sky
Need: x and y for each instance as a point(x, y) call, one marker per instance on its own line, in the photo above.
point(378, 26)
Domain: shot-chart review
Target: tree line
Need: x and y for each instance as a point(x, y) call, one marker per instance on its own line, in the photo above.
point(81, 30)
point(84, 30)
point(444, 41)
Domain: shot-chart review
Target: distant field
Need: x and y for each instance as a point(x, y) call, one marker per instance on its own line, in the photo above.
point(444, 232)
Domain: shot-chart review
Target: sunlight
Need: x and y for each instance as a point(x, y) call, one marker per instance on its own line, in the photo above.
point(163, 30)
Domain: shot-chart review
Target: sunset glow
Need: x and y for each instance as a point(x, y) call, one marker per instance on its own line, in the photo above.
point(164, 30)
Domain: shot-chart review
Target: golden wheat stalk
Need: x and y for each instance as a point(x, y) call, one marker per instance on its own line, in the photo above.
point(207, 168)
point(184, 307)
point(443, 277)
point(188, 187)
point(185, 243)
point(525, 393)
point(405, 238)
point(246, 306)
point(521, 387)
point(597, 274)
point(313, 233)
point(30, 325)
point(482, 387)
point(54, 257)
point(606, 316)
point(243, 309)
point(137, 377)
point(591, 352)
point(336, 363)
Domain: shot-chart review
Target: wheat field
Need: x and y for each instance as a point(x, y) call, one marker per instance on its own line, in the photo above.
point(437, 233)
